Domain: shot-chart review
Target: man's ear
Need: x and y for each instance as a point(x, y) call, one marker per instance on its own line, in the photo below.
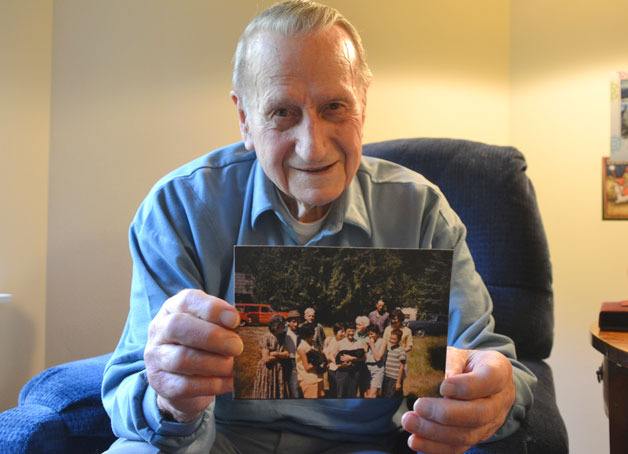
point(242, 121)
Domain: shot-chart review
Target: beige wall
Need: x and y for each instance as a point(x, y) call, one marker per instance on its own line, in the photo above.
point(138, 88)
point(25, 45)
point(563, 55)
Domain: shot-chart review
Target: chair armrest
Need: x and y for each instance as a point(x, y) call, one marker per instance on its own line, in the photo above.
point(543, 430)
point(32, 428)
point(59, 410)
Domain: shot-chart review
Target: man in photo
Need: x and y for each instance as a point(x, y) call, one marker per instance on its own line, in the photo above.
point(300, 85)
point(396, 323)
point(380, 316)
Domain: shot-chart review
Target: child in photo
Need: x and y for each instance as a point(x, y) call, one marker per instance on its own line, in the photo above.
point(310, 364)
point(394, 369)
point(270, 378)
point(375, 360)
point(330, 350)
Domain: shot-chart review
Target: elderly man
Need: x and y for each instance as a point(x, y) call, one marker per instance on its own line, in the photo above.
point(300, 84)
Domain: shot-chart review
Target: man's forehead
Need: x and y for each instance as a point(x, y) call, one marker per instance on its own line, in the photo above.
point(277, 58)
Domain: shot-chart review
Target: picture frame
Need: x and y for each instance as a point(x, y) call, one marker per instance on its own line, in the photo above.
point(619, 117)
point(614, 189)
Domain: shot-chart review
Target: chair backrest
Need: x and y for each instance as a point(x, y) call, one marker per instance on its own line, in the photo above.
point(488, 187)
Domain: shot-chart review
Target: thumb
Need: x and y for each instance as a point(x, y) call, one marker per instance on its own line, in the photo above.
point(456, 361)
point(455, 364)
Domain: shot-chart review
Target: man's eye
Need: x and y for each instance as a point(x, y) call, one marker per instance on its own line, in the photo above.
point(334, 106)
point(283, 112)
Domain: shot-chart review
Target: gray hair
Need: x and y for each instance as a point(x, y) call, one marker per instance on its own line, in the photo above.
point(291, 18)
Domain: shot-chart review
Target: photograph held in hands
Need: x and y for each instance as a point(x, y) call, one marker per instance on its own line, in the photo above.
point(340, 323)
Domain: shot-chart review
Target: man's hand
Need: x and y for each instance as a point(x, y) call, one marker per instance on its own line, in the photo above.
point(478, 393)
point(189, 352)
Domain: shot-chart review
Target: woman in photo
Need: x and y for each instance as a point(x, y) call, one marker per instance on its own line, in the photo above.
point(311, 364)
point(350, 358)
point(375, 359)
point(362, 323)
point(330, 350)
point(270, 378)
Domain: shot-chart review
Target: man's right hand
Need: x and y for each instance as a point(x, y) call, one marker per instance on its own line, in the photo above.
point(189, 353)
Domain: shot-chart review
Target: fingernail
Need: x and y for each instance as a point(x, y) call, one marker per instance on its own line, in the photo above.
point(447, 389)
point(229, 319)
point(407, 420)
point(234, 347)
point(416, 404)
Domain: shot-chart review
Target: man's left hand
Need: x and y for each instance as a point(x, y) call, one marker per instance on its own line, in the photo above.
point(478, 393)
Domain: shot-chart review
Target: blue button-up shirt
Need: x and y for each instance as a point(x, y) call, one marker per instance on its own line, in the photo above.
point(182, 237)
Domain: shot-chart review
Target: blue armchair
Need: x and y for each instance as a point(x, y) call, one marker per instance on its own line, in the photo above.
point(60, 410)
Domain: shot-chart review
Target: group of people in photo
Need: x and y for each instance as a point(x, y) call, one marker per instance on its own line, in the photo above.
point(361, 358)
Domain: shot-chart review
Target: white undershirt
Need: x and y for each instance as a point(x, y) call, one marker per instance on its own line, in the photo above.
point(305, 231)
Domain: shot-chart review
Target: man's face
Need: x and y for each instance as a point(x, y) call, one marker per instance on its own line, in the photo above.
point(304, 114)
point(394, 340)
point(380, 306)
point(293, 323)
point(309, 317)
point(395, 322)
point(373, 335)
point(360, 327)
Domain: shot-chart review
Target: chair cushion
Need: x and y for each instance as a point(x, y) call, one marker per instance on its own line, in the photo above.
point(487, 186)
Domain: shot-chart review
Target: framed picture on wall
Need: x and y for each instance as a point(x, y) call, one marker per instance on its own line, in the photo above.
point(614, 189)
point(619, 117)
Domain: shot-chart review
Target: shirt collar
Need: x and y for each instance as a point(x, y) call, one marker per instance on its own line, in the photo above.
point(264, 194)
point(350, 208)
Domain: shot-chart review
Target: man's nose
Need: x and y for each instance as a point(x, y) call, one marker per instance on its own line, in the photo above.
point(311, 138)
